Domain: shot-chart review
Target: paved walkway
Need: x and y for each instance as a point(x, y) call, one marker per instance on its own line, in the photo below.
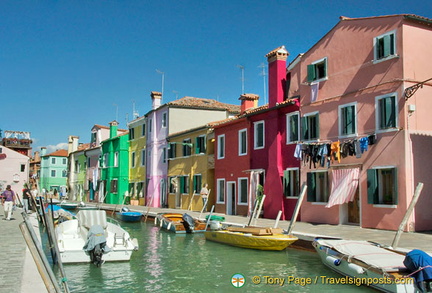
point(19, 272)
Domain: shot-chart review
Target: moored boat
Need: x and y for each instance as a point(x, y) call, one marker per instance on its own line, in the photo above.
point(70, 206)
point(129, 216)
point(91, 237)
point(252, 237)
point(366, 263)
point(179, 223)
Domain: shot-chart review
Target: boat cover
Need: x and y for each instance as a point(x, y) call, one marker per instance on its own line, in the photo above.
point(368, 253)
point(416, 259)
point(89, 218)
point(95, 236)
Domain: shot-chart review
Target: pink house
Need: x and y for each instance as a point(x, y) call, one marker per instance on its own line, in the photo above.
point(365, 143)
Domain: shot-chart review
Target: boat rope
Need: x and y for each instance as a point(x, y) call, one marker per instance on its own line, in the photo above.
point(421, 268)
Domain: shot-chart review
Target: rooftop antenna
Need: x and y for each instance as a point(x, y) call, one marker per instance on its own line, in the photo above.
point(263, 74)
point(135, 113)
point(163, 77)
point(176, 93)
point(127, 118)
point(242, 77)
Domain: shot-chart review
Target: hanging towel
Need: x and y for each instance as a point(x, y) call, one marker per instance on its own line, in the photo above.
point(335, 150)
point(298, 152)
point(343, 186)
point(314, 91)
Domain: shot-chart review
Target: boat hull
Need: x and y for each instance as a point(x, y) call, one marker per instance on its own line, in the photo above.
point(129, 216)
point(173, 222)
point(248, 240)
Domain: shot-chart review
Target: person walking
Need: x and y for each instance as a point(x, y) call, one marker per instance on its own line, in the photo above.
point(26, 197)
point(8, 202)
point(204, 194)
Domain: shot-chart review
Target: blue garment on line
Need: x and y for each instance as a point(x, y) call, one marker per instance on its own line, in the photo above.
point(364, 142)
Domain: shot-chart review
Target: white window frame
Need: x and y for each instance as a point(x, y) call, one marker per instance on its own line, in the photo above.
point(378, 113)
point(239, 191)
point(288, 127)
point(53, 174)
point(256, 146)
point(297, 179)
point(316, 113)
point(322, 60)
point(340, 120)
point(375, 41)
point(221, 150)
point(218, 184)
point(240, 142)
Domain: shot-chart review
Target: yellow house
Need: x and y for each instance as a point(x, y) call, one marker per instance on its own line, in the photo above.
point(190, 166)
point(137, 153)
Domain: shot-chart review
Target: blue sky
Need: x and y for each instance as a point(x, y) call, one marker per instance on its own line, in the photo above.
point(67, 65)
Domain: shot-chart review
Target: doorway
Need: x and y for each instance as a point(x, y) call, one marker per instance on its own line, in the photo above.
point(231, 198)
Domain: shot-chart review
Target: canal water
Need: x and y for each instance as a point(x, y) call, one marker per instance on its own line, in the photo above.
point(166, 262)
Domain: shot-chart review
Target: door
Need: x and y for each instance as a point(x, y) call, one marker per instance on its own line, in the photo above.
point(231, 198)
point(354, 209)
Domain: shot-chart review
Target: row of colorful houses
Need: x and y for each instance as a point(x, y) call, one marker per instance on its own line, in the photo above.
point(349, 119)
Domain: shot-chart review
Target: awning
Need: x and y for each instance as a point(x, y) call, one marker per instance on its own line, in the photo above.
point(343, 186)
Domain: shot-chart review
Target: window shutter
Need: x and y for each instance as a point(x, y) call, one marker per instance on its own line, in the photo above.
point(197, 147)
point(349, 116)
point(304, 128)
point(311, 74)
point(372, 185)
point(317, 126)
point(395, 182)
point(382, 110)
point(311, 187)
point(286, 182)
point(325, 67)
point(387, 45)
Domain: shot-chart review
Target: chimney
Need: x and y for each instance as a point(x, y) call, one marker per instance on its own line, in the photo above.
point(72, 143)
point(248, 101)
point(156, 99)
point(43, 151)
point(277, 75)
point(113, 128)
point(36, 156)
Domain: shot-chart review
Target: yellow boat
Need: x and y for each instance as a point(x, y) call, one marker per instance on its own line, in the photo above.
point(252, 237)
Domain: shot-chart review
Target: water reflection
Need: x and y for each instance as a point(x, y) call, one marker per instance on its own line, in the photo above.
point(188, 263)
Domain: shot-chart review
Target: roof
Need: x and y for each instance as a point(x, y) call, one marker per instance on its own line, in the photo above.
point(107, 127)
point(57, 153)
point(200, 103)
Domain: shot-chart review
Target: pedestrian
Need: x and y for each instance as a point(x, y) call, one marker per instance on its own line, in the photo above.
point(8, 202)
point(204, 194)
point(26, 197)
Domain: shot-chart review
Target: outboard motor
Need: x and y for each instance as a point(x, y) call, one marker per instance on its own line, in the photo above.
point(125, 210)
point(420, 262)
point(188, 223)
point(96, 245)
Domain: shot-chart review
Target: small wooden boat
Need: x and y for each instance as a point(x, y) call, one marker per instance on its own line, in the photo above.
point(179, 223)
point(252, 237)
point(70, 206)
point(82, 206)
point(129, 216)
point(366, 263)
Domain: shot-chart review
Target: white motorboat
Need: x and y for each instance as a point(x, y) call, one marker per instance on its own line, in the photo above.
point(92, 238)
point(366, 263)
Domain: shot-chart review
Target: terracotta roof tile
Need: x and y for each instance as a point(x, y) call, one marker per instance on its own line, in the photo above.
point(58, 153)
point(192, 102)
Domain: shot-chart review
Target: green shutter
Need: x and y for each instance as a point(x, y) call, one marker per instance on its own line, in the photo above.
point(382, 110)
point(387, 45)
point(372, 185)
point(395, 184)
point(317, 126)
point(197, 148)
point(311, 74)
point(304, 127)
point(311, 187)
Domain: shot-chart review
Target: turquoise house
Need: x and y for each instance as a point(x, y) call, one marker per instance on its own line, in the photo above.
point(54, 170)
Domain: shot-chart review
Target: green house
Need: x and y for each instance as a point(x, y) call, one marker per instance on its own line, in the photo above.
point(115, 166)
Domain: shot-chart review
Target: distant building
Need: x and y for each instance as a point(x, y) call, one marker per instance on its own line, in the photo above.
point(14, 170)
point(53, 171)
point(18, 141)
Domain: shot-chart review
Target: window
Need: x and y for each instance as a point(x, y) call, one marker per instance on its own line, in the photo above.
point(317, 190)
point(93, 137)
point(150, 126)
point(143, 157)
point(220, 190)
point(259, 135)
point(291, 185)
point(114, 186)
point(386, 113)
point(143, 130)
point(88, 161)
point(385, 46)
point(348, 119)
point(242, 144)
point(382, 186)
point(164, 119)
point(200, 147)
point(187, 146)
point(317, 71)
point(77, 166)
point(197, 183)
point(221, 146)
point(64, 161)
point(172, 185)
point(133, 159)
point(184, 184)
point(164, 155)
point(243, 190)
point(172, 150)
point(64, 173)
point(310, 126)
point(292, 121)
point(105, 160)
point(116, 158)
point(53, 161)
point(131, 133)
point(53, 173)
point(22, 167)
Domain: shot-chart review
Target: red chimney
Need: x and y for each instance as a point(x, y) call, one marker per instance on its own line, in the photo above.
point(248, 101)
point(277, 75)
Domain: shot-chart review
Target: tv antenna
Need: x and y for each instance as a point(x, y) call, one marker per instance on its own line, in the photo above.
point(135, 113)
point(242, 77)
point(163, 78)
point(263, 74)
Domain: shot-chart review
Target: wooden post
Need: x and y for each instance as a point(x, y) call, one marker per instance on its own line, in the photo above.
point(407, 214)
point(259, 209)
point(190, 204)
point(297, 209)
point(277, 219)
point(209, 218)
